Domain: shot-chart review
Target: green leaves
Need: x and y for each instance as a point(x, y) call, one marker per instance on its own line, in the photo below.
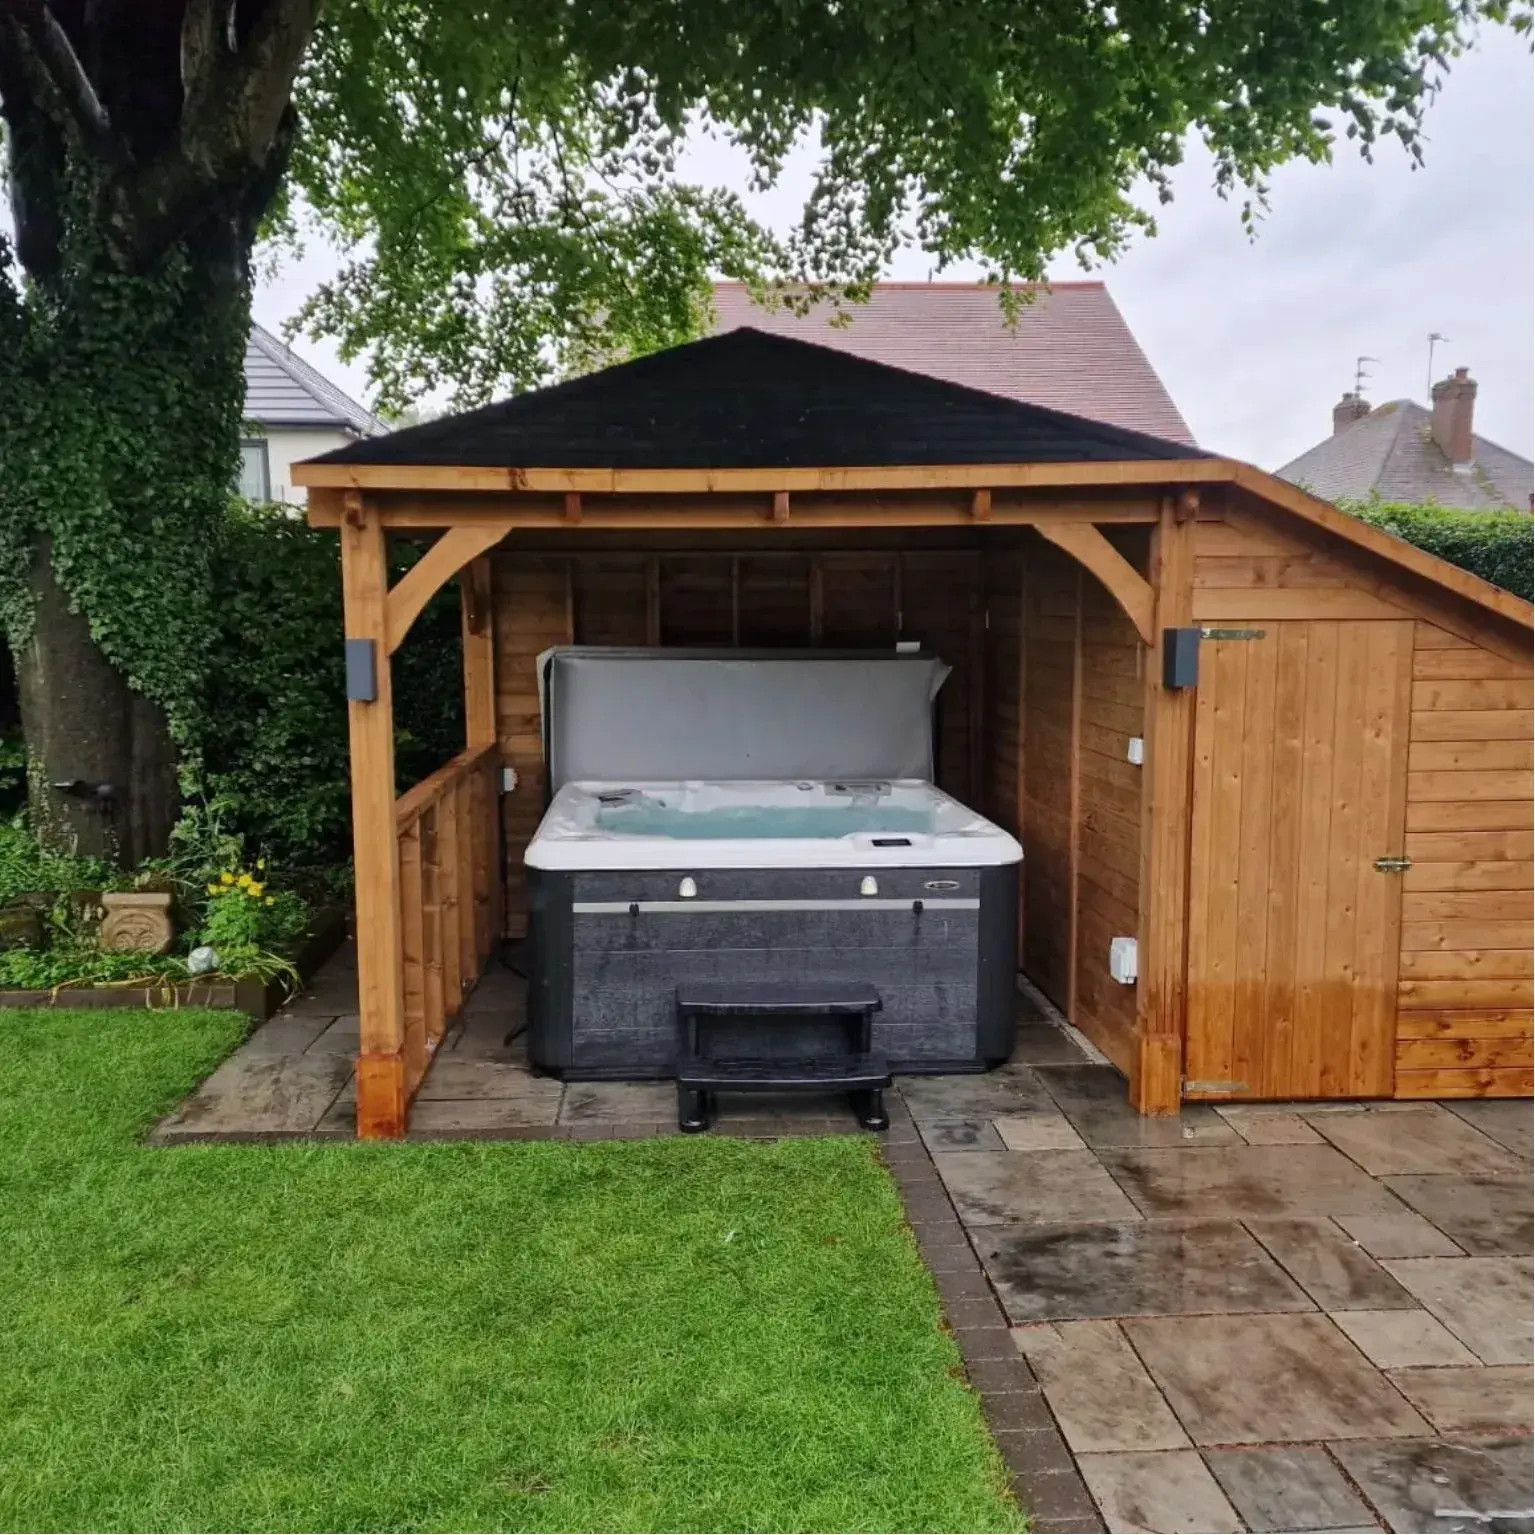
point(1497, 546)
point(503, 177)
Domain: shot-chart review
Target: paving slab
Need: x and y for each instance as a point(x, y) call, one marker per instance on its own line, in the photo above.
point(1482, 1215)
point(281, 1035)
point(1039, 1132)
point(1268, 1127)
point(1455, 1485)
point(1508, 1121)
point(1391, 1340)
point(1133, 1268)
point(261, 1095)
point(342, 1036)
point(452, 1077)
point(622, 1102)
point(1485, 1302)
point(1098, 1390)
point(1162, 1491)
point(992, 1187)
point(481, 1118)
point(1424, 1139)
point(1043, 1044)
point(1398, 1234)
point(1288, 1487)
point(1246, 1182)
point(960, 1135)
point(1257, 1379)
point(1096, 1101)
point(1486, 1398)
point(975, 1096)
point(1329, 1265)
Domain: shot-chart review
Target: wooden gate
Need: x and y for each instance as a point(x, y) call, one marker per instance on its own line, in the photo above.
point(1300, 781)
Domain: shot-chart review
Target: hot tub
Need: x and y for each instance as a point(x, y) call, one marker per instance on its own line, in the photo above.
point(636, 886)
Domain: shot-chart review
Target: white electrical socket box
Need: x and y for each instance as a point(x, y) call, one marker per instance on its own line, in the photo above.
point(508, 780)
point(1122, 960)
point(1136, 752)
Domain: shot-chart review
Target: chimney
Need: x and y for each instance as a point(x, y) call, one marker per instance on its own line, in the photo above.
point(1347, 411)
point(1454, 404)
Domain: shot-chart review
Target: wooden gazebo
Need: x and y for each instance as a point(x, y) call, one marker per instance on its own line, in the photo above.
point(1287, 753)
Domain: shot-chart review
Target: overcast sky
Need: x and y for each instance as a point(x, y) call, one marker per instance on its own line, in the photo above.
point(1255, 339)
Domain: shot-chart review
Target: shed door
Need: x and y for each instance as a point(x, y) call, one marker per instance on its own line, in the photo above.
point(1300, 778)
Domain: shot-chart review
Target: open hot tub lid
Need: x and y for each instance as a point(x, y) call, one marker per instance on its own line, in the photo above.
point(657, 715)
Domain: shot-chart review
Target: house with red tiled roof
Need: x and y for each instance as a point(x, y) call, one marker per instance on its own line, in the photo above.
point(1069, 349)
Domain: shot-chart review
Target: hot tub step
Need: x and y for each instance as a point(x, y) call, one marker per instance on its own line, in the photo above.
point(839, 1073)
point(862, 1077)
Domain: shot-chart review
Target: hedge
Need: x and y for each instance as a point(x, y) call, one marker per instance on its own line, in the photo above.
point(275, 748)
point(1497, 546)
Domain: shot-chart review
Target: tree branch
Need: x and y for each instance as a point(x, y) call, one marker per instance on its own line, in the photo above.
point(40, 37)
point(235, 101)
point(34, 165)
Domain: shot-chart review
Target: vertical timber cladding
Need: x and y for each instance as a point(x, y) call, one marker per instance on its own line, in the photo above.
point(533, 612)
point(1300, 785)
point(1465, 989)
point(837, 598)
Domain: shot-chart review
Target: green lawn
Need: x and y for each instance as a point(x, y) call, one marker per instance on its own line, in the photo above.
point(688, 1334)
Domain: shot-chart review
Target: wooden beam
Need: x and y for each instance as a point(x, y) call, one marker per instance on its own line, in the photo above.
point(1156, 1082)
point(455, 549)
point(460, 478)
point(980, 505)
point(780, 506)
point(408, 511)
point(573, 506)
point(1125, 584)
point(479, 654)
point(381, 1100)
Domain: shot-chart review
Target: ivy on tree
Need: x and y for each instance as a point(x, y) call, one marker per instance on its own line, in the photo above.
point(506, 184)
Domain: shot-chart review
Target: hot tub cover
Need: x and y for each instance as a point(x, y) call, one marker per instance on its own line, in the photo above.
point(655, 715)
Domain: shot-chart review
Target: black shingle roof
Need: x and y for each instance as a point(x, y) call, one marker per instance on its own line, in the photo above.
point(749, 400)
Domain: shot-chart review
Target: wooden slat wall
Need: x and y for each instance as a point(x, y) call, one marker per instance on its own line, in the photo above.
point(1051, 671)
point(1466, 980)
point(1112, 709)
point(534, 605)
point(1003, 739)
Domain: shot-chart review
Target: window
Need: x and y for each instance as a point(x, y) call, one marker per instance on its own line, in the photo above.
point(255, 475)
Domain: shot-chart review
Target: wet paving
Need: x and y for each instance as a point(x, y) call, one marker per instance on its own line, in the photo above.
point(1299, 1317)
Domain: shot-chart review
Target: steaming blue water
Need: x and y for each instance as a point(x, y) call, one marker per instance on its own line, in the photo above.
point(648, 818)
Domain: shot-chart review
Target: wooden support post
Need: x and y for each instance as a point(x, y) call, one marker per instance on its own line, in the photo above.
point(1156, 1085)
point(780, 506)
point(375, 844)
point(980, 506)
point(479, 654)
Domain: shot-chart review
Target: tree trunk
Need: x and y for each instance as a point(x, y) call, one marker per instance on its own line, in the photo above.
point(85, 728)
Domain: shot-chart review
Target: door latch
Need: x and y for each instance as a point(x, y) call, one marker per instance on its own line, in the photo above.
point(1393, 865)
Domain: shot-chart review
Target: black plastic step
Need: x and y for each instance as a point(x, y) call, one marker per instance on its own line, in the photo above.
point(747, 998)
point(835, 1073)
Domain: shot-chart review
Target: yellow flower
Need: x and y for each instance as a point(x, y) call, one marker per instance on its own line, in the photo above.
point(271, 900)
point(261, 863)
point(226, 878)
point(243, 881)
point(214, 889)
point(254, 889)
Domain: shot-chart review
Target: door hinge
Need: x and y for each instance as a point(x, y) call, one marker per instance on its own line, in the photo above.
point(1232, 634)
point(1213, 1089)
point(1393, 865)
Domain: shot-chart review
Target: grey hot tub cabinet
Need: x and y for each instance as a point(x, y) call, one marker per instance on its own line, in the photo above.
point(610, 947)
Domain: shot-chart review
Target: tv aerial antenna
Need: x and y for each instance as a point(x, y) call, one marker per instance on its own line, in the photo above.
point(1434, 338)
point(1360, 374)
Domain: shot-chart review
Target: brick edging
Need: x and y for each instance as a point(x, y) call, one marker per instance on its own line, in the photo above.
point(1044, 1476)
